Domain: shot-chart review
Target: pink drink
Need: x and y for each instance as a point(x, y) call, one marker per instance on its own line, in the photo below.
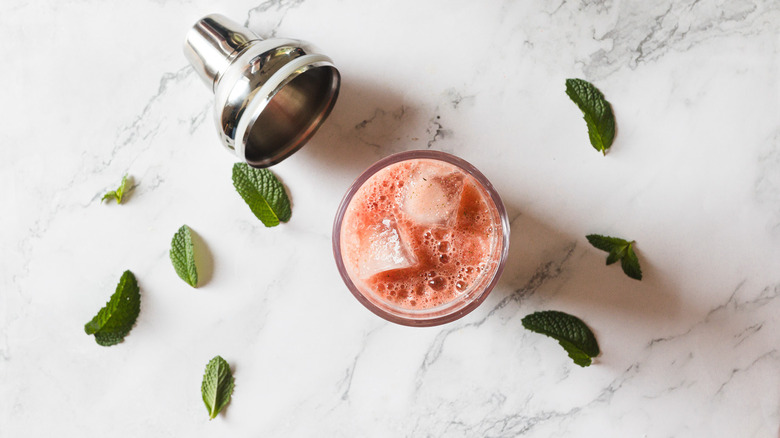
point(421, 240)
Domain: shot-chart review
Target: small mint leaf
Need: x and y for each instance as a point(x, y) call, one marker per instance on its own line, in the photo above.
point(109, 195)
point(263, 193)
point(183, 256)
point(630, 263)
point(217, 385)
point(596, 111)
point(573, 335)
point(618, 249)
point(120, 192)
point(114, 321)
point(606, 243)
point(578, 356)
point(614, 256)
point(117, 194)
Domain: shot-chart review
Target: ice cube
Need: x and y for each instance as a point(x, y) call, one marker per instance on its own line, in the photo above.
point(432, 194)
point(383, 249)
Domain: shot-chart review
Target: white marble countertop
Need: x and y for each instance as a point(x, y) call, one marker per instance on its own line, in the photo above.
point(94, 90)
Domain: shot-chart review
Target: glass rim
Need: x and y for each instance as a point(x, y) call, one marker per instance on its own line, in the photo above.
point(411, 320)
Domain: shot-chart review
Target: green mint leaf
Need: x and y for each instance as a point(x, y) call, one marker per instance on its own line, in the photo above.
point(118, 193)
point(614, 256)
point(618, 249)
point(574, 336)
point(263, 193)
point(630, 263)
point(109, 195)
point(606, 243)
point(114, 321)
point(217, 385)
point(597, 112)
point(183, 256)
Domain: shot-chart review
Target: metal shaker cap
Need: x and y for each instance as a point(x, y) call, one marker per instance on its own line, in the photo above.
point(270, 95)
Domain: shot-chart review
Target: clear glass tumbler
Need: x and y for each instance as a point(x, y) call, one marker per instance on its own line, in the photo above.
point(462, 303)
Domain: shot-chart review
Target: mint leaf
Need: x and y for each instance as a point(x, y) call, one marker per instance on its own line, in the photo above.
point(114, 321)
point(118, 193)
point(597, 112)
point(183, 256)
point(263, 193)
point(573, 335)
point(630, 263)
point(618, 249)
point(606, 243)
point(614, 256)
point(217, 386)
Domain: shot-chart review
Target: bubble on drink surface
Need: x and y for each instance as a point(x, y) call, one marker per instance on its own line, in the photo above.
point(384, 249)
point(432, 195)
point(437, 283)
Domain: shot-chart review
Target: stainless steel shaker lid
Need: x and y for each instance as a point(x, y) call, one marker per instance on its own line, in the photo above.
point(271, 96)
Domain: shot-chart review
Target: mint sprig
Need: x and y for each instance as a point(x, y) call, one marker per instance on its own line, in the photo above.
point(114, 321)
point(217, 385)
point(618, 249)
point(574, 336)
point(183, 256)
point(118, 193)
point(263, 193)
point(596, 110)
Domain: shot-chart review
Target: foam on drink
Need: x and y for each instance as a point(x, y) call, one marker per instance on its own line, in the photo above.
point(420, 233)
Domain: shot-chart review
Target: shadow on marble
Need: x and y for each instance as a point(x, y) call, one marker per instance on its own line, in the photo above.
point(369, 122)
point(204, 259)
point(550, 269)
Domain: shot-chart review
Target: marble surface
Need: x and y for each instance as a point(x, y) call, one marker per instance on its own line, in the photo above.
point(94, 90)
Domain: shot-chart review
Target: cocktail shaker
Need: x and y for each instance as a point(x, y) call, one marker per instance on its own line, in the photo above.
point(270, 96)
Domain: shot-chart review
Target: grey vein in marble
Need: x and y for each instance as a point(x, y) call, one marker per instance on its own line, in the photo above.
point(544, 273)
point(275, 10)
point(645, 31)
